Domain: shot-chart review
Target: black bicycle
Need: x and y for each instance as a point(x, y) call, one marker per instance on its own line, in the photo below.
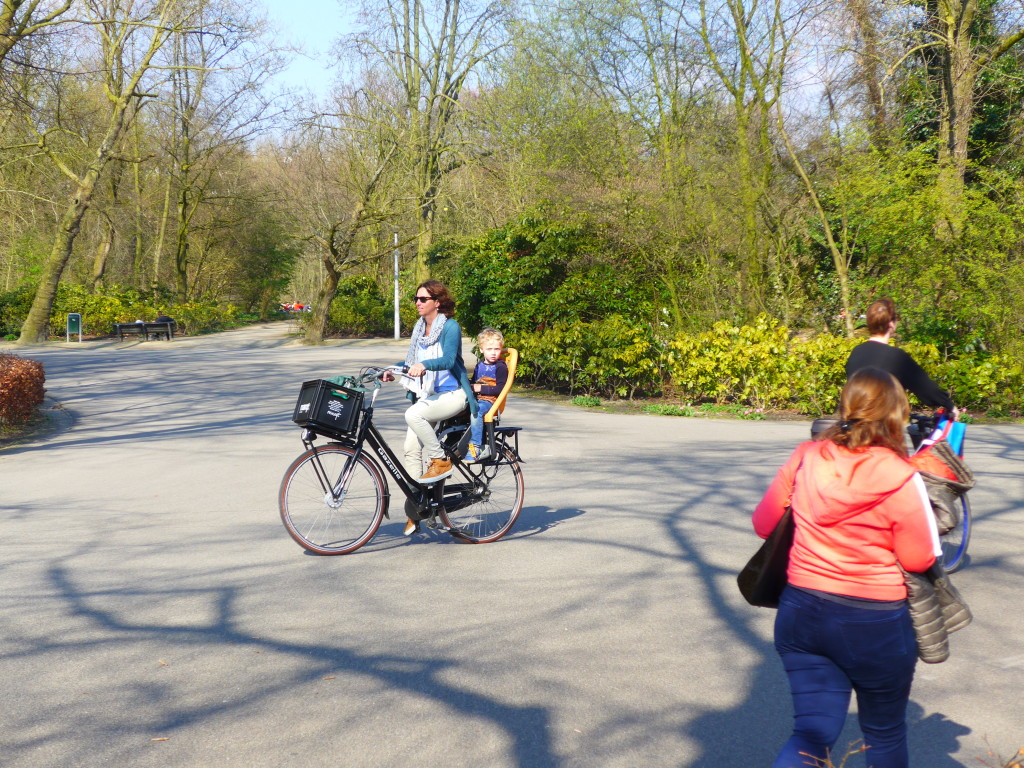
point(334, 497)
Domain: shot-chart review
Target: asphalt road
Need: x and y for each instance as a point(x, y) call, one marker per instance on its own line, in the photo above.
point(155, 613)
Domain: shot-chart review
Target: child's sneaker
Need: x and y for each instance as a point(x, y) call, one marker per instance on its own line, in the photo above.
point(477, 453)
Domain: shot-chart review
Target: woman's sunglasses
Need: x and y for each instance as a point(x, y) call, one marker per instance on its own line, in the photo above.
point(418, 299)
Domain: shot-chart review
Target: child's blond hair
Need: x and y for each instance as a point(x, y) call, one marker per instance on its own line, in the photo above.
point(490, 334)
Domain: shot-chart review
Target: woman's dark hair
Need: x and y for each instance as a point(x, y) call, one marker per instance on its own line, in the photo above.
point(439, 291)
point(879, 315)
point(873, 410)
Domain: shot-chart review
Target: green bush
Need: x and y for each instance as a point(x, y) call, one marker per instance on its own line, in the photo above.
point(994, 384)
point(611, 357)
point(764, 367)
point(537, 272)
point(743, 370)
point(100, 311)
point(197, 317)
point(820, 363)
point(14, 307)
point(361, 307)
point(748, 364)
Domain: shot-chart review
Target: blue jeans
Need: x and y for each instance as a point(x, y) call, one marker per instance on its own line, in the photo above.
point(828, 650)
point(476, 424)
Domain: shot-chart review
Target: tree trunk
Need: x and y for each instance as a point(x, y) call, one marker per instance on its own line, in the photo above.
point(181, 250)
point(158, 247)
point(99, 261)
point(961, 62)
point(317, 327)
point(36, 328)
point(868, 57)
point(424, 239)
point(958, 81)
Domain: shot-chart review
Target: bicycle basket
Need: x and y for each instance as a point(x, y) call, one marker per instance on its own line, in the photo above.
point(328, 409)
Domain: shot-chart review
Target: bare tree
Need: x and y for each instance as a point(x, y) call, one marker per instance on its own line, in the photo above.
point(338, 183)
point(747, 44)
point(953, 28)
point(128, 38)
point(429, 49)
point(21, 18)
point(214, 106)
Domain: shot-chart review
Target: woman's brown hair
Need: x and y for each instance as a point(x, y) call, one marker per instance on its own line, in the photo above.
point(873, 411)
point(879, 315)
point(439, 291)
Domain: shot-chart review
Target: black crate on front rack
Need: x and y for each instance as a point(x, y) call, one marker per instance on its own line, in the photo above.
point(328, 409)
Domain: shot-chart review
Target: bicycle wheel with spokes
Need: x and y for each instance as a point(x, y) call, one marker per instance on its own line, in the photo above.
point(486, 509)
point(326, 513)
point(954, 544)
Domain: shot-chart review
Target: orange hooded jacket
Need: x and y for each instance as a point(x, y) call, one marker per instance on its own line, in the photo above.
point(856, 514)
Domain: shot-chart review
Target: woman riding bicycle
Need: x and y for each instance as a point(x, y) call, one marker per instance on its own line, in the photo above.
point(439, 387)
point(877, 352)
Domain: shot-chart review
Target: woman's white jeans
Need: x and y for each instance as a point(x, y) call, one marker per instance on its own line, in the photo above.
point(421, 418)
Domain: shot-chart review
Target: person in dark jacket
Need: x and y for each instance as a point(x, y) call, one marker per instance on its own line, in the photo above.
point(878, 352)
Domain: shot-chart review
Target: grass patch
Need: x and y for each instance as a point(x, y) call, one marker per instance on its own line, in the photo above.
point(586, 401)
point(36, 426)
point(670, 410)
point(705, 409)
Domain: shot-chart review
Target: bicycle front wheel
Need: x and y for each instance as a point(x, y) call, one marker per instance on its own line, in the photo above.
point(485, 510)
point(325, 512)
point(954, 543)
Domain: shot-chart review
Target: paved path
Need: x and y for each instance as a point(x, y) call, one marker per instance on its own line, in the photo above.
point(155, 613)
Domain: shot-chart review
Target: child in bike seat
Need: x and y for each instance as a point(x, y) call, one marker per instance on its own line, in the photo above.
point(488, 380)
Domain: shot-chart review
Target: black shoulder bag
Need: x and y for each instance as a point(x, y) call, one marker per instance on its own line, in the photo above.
point(764, 576)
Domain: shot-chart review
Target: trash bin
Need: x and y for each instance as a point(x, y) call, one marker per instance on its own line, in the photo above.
point(74, 325)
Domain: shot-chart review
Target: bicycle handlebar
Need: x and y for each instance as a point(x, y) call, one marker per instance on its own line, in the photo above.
point(375, 375)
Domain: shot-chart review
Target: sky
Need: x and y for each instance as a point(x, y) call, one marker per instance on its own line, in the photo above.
point(314, 25)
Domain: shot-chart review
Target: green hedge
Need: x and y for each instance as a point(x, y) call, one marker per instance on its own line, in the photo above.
point(116, 305)
point(608, 357)
point(362, 308)
point(763, 366)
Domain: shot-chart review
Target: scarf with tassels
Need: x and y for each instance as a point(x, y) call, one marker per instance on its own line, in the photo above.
point(424, 347)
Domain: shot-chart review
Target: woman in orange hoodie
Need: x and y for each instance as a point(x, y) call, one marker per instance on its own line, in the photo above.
point(843, 625)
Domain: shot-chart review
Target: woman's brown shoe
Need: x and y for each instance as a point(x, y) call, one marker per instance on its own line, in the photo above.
point(411, 527)
point(438, 470)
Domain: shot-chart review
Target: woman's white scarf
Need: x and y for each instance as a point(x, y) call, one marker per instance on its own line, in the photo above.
point(424, 347)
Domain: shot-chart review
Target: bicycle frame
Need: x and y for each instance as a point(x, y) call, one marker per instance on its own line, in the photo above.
point(382, 454)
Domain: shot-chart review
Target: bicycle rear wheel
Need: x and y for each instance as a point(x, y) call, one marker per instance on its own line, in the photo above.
point(326, 520)
point(485, 510)
point(954, 544)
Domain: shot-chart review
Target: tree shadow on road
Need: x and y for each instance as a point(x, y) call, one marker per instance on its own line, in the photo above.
point(526, 728)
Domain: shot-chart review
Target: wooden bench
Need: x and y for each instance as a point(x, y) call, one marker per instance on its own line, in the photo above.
point(146, 330)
